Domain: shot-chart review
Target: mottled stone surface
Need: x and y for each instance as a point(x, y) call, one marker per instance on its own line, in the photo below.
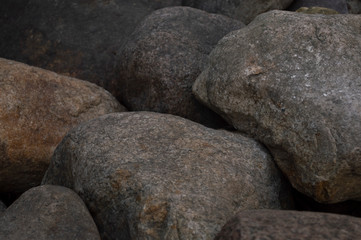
point(76, 38)
point(243, 10)
point(156, 176)
point(37, 108)
point(338, 5)
point(164, 56)
point(293, 81)
point(275, 224)
point(48, 213)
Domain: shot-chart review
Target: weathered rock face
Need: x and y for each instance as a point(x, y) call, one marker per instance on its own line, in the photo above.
point(80, 39)
point(338, 5)
point(48, 212)
point(296, 88)
point(354, 6)
point(164, 56)
point(157, 176)
point(37, 108)
point(243, 10)
point(274, 224)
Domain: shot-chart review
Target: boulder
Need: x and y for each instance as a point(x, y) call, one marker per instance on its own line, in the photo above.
point(177, 41)
point(37, 108)
point(275, 224)
point(80, 39)
point(292, 81)
point(243, 10)
point(338, 5)
point(48, 213)
point(157, 176)
point(354, 6)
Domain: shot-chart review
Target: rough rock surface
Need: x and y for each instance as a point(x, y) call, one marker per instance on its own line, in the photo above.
point(164, 56)
point(80, 38)
point(2, 207)
point(338, 5)
point(354, 6)
point(297, 89)
point(275, 224)
point(48, 213)
point(37, 108)
point(243, 10)
point(157, 176)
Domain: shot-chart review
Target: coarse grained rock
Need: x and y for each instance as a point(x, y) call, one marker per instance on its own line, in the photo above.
point(276, 224)
point(76, 38)
point(164, 56)
point(338, 5)
point(292, 80)
point(148, 175)
point(243, 10)
point(48, 213)
point(37, 108)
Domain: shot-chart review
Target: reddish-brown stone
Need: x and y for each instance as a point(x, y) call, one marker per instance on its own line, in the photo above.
point(37, 108)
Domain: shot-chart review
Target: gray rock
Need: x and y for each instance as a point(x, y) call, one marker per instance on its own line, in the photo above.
point(2, 207)
point(157, 176)
point(80, 39)
point(244, 10)
point(275, 224)
point(37, 108)
point(177, 41)
point(48, 213)
point(338, 5)
point(293, 81)
point(354, 6)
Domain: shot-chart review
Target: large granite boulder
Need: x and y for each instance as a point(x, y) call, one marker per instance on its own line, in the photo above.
point(37, 108)
point(48, 213)
point(76, 38)
point(243, 10)
point(338, 5)
point(292, 80)
point(164, 56)
point(157, 176)
point(275, 224)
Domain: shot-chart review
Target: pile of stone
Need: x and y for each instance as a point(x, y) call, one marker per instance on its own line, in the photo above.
point(180, 119)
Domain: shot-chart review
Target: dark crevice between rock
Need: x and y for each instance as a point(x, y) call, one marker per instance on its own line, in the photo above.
point(305, 203)
point(9, 198)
